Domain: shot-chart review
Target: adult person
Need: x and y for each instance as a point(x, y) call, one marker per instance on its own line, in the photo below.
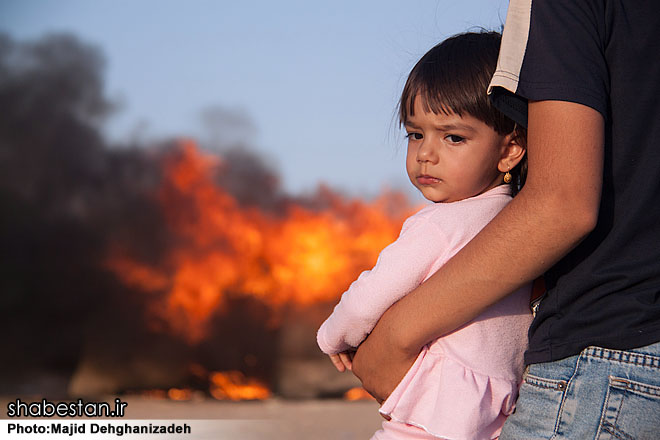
point(588, 217)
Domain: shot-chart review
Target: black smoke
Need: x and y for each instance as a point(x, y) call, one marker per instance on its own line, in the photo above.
point(66, 196)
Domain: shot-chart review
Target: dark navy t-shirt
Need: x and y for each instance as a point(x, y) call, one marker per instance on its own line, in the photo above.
point(604, 54)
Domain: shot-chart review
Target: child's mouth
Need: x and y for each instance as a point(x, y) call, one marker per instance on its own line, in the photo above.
point(427, 180)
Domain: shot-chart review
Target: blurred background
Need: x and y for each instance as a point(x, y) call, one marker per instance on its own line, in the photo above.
point(186, 188)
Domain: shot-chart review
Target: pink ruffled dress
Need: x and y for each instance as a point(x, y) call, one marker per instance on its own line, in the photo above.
point(465, 384)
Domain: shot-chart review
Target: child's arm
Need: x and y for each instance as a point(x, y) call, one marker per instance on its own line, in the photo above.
point(401, 267)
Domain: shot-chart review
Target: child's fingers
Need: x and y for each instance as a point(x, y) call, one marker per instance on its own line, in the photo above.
point(337, 362)
point(346, 359)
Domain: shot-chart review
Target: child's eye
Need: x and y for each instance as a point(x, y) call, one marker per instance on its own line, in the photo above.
point(453, 138)
point(414, 136)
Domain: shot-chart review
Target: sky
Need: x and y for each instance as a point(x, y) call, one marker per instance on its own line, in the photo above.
point(311, 86)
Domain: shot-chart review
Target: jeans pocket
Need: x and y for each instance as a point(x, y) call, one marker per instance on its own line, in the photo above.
point(538, 409)
point(631, 411)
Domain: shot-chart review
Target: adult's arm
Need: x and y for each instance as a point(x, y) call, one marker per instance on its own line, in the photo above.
point(555, 210)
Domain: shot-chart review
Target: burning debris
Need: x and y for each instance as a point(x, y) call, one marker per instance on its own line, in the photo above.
point(137, 268)
point(233, 385)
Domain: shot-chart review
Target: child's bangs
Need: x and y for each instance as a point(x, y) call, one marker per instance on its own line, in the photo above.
point(452, 78)
point(441, 95)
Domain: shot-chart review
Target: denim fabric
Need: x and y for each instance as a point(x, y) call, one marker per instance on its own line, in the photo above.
point(599, 394)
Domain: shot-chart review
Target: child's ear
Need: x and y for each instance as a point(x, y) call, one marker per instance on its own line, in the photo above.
point(512, 153)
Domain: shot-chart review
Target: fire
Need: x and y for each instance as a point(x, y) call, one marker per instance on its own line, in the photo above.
point(233, 385)
point(220, 248)
point(357, 393)
point(179, 393)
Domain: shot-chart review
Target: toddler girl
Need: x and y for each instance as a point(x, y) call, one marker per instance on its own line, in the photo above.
point(467, 158)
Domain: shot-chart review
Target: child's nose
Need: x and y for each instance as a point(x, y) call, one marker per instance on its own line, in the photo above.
point(426, 153)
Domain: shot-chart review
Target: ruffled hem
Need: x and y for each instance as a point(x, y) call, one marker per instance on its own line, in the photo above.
point(451, 401)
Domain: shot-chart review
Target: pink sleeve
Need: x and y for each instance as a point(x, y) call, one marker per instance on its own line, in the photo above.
point(400, 268)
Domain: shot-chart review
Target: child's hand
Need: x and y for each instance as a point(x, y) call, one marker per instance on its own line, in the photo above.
point(342, 361)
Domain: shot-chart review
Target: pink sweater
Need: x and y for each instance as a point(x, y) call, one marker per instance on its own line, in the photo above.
point(463, 385)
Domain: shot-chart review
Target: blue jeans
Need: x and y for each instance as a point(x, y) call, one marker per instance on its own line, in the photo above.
point(599, 394)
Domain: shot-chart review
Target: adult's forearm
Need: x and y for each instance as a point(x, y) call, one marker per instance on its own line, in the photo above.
point(555, 210)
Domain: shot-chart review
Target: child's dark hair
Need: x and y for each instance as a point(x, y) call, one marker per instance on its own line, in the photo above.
point(453, 77)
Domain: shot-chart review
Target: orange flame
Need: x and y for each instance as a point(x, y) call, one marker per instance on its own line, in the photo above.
point(179, 393)
point(220, 247)
point(233, 385)
point(357, 393)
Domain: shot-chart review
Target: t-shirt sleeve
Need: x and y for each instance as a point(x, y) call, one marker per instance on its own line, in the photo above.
point(400, 268)
point(551, 50)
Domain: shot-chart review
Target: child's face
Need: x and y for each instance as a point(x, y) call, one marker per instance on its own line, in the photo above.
point(450, 157)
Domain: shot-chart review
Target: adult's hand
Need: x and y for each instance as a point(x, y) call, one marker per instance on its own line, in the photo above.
point(379, 362)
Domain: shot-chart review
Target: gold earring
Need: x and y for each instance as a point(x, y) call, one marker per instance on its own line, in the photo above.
point(507, 177)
